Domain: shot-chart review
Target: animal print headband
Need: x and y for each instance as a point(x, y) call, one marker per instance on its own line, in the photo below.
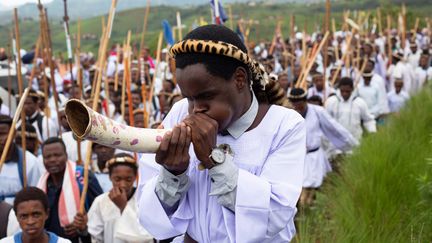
point(259, 73)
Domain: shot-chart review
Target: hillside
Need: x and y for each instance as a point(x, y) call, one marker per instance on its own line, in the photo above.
point(91, 8)
point(306, 16)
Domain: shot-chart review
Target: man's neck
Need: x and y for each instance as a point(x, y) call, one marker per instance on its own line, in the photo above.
point(101, 165)
point(57, 178)
point(43, 238)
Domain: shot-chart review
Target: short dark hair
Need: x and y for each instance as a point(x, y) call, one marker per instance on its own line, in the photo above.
point(114, 165)
point(52, 140)
point(29, 194)
point(4, 119)
point(346, 81)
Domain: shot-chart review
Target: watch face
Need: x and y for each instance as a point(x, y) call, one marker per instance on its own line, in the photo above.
point(218, 156)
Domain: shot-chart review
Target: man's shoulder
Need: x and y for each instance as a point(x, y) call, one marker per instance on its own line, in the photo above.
point(282, 116)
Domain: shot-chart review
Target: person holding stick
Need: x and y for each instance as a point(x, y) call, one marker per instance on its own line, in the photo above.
point(245, 168)
point(11, 174)
point(62, 182)
point(319, 125)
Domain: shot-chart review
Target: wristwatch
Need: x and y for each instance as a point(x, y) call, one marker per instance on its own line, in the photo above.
point(219, 155)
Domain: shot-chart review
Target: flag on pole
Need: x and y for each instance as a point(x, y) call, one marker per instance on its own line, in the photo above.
point(239, 33)
point(219, 15)
point(168, 32)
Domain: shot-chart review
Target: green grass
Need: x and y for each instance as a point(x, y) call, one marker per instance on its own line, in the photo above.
point(385, 191)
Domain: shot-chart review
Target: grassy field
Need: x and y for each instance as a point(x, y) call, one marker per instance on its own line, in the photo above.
point(307, 17)
point(385, 191)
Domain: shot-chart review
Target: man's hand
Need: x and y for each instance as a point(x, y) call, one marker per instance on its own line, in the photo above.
point(173, 152)
point(118, 197)
point(80, 222)
point(204, 132)
point(70, 230)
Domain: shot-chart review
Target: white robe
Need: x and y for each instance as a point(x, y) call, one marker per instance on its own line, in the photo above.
point(320, 124)
point(72, 147)
point(270, 158)
point(107, 224)
point(397, 101)
point(351, 114)
point(10, 182)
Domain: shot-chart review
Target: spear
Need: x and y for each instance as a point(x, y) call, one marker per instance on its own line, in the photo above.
point(20, 87)
point(101, 61)
point(48, 51)
point(68, 41)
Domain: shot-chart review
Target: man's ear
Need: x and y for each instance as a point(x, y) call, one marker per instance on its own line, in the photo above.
point(240, 78)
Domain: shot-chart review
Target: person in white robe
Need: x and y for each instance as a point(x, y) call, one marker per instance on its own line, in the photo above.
point(318, 89)
point(113, 216)
point(350, 110)
point(205, 191)
point(377, 81)
point(397, 98)
point(422, 73)
point(319, 124)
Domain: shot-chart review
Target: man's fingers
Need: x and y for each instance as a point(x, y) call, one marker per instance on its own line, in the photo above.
point(182, 139)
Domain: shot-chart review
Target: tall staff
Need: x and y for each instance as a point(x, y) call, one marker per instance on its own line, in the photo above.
point(46, 43)
point(101, 62)
point(20, 88)
point(68, 41)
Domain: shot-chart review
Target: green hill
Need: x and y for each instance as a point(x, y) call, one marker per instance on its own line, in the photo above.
point(307, 16)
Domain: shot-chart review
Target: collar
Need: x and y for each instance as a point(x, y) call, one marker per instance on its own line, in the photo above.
point(245, 121)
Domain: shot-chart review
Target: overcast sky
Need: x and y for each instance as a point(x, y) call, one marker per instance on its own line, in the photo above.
point(14, 3)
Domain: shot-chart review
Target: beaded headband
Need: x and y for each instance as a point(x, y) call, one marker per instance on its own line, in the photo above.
point(124, 159)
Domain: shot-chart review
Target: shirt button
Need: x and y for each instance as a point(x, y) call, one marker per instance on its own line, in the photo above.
point(175, 179)
point(212, 180)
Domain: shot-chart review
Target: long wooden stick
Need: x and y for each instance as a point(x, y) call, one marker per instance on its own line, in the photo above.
point(48, 51)
point(128, 79)
point(20, 86)
point(361, 71)
point(389, 45)
point(12, 129)
point(102, 60)
point(158, 58)
point(312, 61)
point(9, 79)
point(147, 12)
point(17, 38)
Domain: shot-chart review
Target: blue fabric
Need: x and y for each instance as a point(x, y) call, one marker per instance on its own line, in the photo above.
point(20, 166)
point(53, 238)
point(168, 32)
